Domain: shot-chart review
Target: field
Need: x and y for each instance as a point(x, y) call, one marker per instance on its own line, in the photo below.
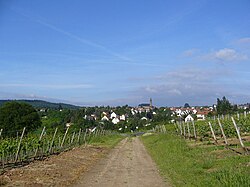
point(63, 169)
point(232, 132)
point(21, 150)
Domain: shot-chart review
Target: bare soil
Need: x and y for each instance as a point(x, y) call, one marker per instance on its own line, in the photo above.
point(128, 164)
point(57, 170)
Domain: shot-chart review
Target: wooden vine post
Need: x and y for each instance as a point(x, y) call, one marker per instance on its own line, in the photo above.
point(180, 128)
point(223, 134)
point(195, 136)
point(40, 138)
point(184, 130)
point(79, 134)
point(52, 141)
point(164, 129)
point(72, 139)
point(64, 136)
point(211, 128)
point(3, 159)
point(1, 131)
point(188, 130)
point(19, 145)
point(84, 138)
point(239, 137)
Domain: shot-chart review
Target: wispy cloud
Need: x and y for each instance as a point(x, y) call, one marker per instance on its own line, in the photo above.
point(220, 55)
point(49, 86)
point(245, 40)
point(228, 55)
point(202, 86)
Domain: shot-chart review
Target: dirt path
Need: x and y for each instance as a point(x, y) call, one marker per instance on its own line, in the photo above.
point(127, 165)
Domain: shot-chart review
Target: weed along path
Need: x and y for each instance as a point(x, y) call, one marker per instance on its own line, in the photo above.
point(128, 164)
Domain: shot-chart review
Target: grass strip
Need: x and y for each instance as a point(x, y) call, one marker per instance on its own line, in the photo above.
point(185, 165)
point(108, 141)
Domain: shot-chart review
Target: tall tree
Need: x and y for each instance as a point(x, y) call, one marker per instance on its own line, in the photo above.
point(224, 106)
point(15, 115)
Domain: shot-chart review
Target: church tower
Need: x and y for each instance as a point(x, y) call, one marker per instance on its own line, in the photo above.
point(151, 103)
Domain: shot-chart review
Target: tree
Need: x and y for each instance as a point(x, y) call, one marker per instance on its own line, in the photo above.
point(186, 105)
point(14, 116)
point(224, 106)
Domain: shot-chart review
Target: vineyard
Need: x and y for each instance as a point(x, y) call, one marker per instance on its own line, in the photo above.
point(212, 152)
point(21, 150)
point(233, 132)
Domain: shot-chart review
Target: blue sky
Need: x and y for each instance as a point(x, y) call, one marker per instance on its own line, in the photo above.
point(115, 52)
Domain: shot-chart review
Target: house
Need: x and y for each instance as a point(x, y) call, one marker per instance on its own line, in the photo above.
point(113, 115)
point(115, 120)
point(132, 112)
point(200, 115)
point(122, 117)
point(93, 116)
point(189, 118)
point(104, 113)
point(105, 118)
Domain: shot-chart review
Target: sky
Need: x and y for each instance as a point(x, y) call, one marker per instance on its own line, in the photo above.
point(116, 52)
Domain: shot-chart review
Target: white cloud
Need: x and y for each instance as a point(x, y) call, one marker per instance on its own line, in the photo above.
point(187, 84)
point(175, 92)
point(228, 55)
point(222, 55)
point(244, 40)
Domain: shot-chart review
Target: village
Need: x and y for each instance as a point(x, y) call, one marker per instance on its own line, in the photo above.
point(142, 115)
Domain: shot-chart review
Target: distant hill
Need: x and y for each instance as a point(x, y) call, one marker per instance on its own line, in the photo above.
point(43, 104)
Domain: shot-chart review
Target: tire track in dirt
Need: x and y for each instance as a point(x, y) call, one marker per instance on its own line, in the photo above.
point(127, 165)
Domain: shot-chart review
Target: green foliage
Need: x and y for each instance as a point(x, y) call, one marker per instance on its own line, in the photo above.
point(43, 104)
point(162, 115)
point(14, 116)
point(204, 131)
point(224, 106)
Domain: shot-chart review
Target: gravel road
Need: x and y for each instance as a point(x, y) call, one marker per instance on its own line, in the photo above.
point(128, 164)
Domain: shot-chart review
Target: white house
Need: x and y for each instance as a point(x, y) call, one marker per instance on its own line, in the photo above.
point(189, 118)
point(200, 116)
point(115, 120)
point(123, 117)
point(194, 111)
point(132, 112)
point(113, 115)
point(105, 118)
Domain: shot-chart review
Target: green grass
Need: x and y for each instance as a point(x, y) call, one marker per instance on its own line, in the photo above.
point(185, 165)
point(108, 141)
